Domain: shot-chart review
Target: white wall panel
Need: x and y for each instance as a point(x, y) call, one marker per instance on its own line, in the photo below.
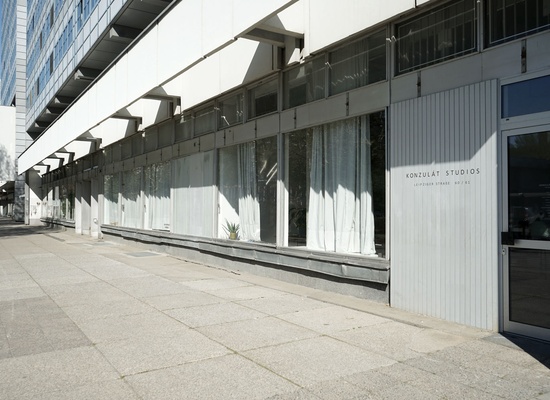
point(142, 66)
point(181, 24)
point(368, 99)
point(502, 61)
point(241, 62)
point(219, 26)
point(267, 126)
point(322, 111)
point(106, 94)
point(348, 18)
point(452, 74)
point(444, 225)
point(538, 48)
point(404, 87)
point(121, 73)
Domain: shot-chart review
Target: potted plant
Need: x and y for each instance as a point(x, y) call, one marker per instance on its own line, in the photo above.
point(232, 230)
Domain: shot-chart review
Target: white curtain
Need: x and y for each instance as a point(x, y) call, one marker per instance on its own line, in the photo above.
point(131, 198)
point(249, 207)
point(340, 214)
point(238, 200)
point(194, 195)
point(157, 200)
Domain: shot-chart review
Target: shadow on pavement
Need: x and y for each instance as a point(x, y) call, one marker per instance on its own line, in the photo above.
point(10, 228)
point(538, 349)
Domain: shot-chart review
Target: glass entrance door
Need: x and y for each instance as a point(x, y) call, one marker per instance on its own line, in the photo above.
point(526, 232)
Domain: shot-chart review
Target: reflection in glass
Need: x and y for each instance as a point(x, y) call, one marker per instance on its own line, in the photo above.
point(439, 35)
point(530, 287)
point(511, 19)
point(358, 64)
point(262, 99)
point(230, 111)
point(526, 97)
point(304, 83)
point(529, 186)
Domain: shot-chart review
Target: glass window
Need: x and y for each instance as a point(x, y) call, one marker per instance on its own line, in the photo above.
point(262, 99)
point(165, 134)
point(194, 195)
point(131, 198)
point(137, 148)
point(184, 128)
point(529, 281)
point(56, 204)
point(304, 83)
point(439, 35)
point(230, 111)
point(248, 190)
point(126, 149)
point(529, 186)
point(111, 189)
point(526, 97)
point(157, 196)
point(336, 186)
point(151, 138)
point(358, 64)
point(205, 121)
point(67, 201)
point(510, 19)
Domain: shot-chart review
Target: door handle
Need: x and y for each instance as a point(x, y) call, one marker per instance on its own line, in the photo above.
point(507, 238)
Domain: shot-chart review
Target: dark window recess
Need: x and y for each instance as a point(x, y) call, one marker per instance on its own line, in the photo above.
point(526, 97)
point(507, 20)
point(439, 35)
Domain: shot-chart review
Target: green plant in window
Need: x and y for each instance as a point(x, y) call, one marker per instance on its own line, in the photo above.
point(232, 230)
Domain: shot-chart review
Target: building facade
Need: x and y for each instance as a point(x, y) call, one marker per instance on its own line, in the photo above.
point(7, 160)
point(397, 151)
point(12, 94)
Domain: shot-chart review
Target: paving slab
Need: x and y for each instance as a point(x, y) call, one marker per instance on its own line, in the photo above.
point(189, 298)
point(214, 314)
point(255, 333)
point(310, 361)
point(81, 313)
point(148, 286)
point(331, 319)
point(224, 378)
point(113, 390)
point(145, 353)
point(284, 303)
point(57, 370)
point(130, 326)
point(407, 341)
point(215, 284)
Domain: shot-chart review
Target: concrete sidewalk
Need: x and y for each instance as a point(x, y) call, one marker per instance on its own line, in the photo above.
point(84, 319)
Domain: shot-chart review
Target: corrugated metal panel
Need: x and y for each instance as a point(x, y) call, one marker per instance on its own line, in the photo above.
point(444, 226)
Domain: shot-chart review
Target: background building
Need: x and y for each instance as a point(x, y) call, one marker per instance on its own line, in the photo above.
point(7, 160)
point(12, 93)
point(390, 150)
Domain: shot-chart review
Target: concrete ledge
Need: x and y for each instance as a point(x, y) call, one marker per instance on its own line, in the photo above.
point(346, 274)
